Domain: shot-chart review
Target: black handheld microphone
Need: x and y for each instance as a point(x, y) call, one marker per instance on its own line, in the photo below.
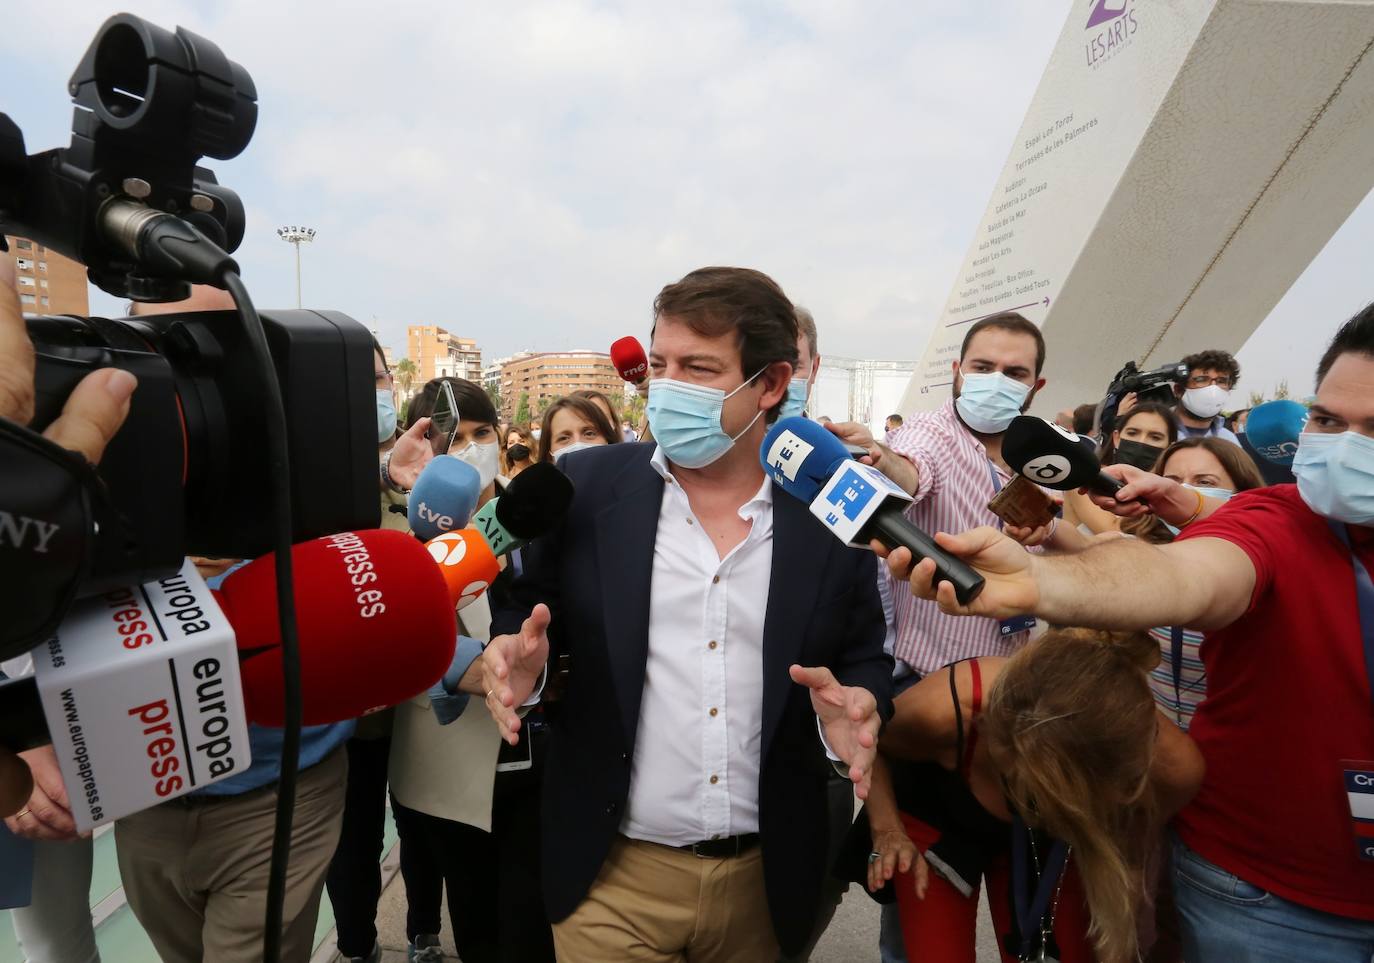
point(1050, 456)
point(804, 459)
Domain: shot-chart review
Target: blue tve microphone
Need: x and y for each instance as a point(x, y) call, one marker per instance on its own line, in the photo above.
point(809, 463)
point(1273, 429)
point(443, 497)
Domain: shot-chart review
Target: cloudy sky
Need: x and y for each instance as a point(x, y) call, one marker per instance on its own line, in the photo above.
point(529, 174)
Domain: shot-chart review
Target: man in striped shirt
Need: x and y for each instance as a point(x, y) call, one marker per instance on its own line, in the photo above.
point(950, 460)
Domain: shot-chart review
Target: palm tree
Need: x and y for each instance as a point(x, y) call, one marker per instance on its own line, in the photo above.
point(404, 376)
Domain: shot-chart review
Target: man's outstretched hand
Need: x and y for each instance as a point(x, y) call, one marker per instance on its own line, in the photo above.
point(511, 666)
point(849, 718)
point(411, 453)
point(1007, 568)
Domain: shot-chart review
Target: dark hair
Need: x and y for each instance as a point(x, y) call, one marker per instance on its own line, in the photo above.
point(806, 323)
point(1356, 336)
point(1008, 321)
point(714, 301)
point(1083, 417)
point(1214, 360)
point(1233, 458)
point(1144, 408)
point(584, 409)
point(895, 417)
point(593, 395)
point(377, 347)
point(473, 403)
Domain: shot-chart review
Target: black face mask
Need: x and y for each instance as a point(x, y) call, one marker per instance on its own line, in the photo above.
point(1137, 454)
point(517, 453)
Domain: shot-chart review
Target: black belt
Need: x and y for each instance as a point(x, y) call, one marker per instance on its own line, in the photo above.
point(723, 848)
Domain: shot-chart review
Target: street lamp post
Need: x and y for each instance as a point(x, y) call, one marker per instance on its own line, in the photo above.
point(295, 236)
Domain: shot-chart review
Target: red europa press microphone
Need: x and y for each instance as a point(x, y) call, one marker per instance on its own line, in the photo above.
point(630, 362)
point(374, 618)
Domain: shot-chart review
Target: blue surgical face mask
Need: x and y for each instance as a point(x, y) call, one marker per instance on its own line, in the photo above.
point(1223, 494)
point(386, 415)
point(1336, 475)
point(798, 394)
point(685, 420)
point(988, 401)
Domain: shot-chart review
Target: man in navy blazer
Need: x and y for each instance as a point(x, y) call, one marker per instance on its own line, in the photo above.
point(723, 651)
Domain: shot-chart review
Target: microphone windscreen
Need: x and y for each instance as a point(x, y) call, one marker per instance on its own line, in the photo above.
point(1048, 455)
point(800, 455)
point(466, 564)
point(1273, 429)
point(535, 501)
point(629, 359)
point(374, 619)
point(443, 498)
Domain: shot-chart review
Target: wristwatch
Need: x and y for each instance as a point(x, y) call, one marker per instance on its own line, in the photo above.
point(385, 466)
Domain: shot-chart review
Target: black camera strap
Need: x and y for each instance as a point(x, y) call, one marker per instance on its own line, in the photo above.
point(47, 533)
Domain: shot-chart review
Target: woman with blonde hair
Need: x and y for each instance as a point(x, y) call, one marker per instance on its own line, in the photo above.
point(1048, 774)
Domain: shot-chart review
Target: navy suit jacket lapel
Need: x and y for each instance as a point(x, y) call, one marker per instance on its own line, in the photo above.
point(800, 547)
point(626, 530)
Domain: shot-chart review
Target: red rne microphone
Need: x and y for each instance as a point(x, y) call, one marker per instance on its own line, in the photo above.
point(374, 619)
point(629, 359)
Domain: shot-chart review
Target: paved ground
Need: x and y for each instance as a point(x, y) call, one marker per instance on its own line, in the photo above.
point(851, 938)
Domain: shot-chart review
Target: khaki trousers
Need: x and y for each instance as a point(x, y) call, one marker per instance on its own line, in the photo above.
point(196, 875)
point(664, 905)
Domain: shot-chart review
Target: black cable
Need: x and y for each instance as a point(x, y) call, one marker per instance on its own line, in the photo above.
point(279, 481)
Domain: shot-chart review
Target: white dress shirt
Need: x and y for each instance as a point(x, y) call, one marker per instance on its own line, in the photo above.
point(695, 773)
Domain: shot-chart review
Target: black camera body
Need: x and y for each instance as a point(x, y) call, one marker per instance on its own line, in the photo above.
point(1156, 385)
point(189, 472)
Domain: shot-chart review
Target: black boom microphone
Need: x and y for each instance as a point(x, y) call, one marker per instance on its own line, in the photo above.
point(1050, 456)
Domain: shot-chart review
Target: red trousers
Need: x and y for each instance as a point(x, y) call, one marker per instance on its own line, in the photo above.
point(941, 928)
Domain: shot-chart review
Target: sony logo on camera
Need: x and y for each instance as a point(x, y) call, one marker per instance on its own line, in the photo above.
point(142, 694)
point(21, 531)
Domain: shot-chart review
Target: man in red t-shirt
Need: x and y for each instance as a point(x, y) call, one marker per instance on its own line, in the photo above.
point(1274, 860)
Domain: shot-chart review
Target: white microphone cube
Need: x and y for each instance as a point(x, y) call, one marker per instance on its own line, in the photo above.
point(141, 691)
point(852, 497)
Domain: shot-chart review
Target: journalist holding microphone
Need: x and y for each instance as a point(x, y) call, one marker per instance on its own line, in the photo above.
point(1274, 858)
point(719, 643)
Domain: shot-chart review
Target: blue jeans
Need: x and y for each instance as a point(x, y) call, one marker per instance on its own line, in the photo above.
point(1224, 919)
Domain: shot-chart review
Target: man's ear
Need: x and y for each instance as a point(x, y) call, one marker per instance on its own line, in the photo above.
point(775, 379)
point(1035, 390)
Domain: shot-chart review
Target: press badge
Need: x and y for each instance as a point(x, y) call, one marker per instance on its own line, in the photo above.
point(1359, 791)
point(1017, 623)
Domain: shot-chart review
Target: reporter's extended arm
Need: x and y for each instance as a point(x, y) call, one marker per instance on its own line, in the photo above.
point(1203, 583)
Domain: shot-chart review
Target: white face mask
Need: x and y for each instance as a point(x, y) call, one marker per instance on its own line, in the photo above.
point(575, 446)
point(485, 458)
point(1206, 402)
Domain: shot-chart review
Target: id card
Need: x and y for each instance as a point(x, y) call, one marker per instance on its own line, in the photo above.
point(1017, 623)
point(1359, 791)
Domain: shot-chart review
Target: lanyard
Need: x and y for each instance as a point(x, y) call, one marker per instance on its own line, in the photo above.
point(1364, 596)
point(1030, 916)
point(1176, 663)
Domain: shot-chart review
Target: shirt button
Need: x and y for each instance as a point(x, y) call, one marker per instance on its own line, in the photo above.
point(711, 644)
point(689, 521)
point(714, 780)
point(610, 809)
point(715, 580)
point(713, 712)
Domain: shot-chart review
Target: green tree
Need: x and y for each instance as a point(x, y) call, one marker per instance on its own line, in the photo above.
point(522, 409)
point(494, 393)
point(632, 410)
point(404, 376)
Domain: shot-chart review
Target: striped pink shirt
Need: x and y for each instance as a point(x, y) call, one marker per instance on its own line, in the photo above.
point(952, 496)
